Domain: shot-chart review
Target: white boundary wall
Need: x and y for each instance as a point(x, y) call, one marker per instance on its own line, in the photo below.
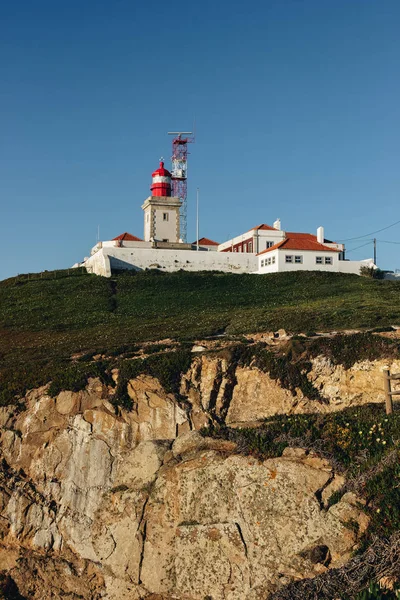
point(119, 244)
point(354, 266)
point(139, 259)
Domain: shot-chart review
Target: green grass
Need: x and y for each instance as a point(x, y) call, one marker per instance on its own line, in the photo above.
point(47, 319)
point(152, 305)
point(374, 592)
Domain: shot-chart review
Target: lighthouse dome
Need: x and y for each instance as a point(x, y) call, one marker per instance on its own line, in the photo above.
point(161, 181)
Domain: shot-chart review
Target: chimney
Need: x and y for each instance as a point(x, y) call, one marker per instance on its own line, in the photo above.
point(320, 235)
point(277, 224)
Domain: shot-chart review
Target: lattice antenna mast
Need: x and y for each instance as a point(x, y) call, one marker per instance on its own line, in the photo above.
point(179, 174)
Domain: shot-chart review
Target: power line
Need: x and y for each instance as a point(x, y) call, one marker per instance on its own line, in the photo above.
point(358, 247)
point(387, 242)
point(372, 233)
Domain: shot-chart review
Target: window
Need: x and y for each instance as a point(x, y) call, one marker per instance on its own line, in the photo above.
point(165, 240)
point(298, 259)
point(288, 258)
point(319, 260)
point(262, 263)
point(165, 216)
point(269, 244)
point(269, 261)
point(328, 260)
point(250, 247)
point(273, 260)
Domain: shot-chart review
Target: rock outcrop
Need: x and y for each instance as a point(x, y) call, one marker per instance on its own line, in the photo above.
point(239, 395)
point(99, 502)
point(92, 508)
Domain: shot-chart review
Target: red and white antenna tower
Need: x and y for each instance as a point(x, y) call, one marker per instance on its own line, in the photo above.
point(179, 173)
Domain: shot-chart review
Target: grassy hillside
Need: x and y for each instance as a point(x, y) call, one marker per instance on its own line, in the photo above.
point(44, 321)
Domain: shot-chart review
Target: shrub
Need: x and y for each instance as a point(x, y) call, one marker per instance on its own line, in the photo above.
point(372, 272)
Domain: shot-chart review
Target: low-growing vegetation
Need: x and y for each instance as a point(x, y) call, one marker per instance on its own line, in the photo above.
point(146, 306)
point(376, 592)
point(26, 367)
point(346, 350)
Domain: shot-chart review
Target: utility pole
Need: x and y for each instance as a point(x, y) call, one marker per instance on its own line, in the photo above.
point(375, 251)
point(197, 220)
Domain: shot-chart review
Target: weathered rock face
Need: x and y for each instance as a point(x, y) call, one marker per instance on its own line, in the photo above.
point(100, 503)
point(156, 415)
point(257, 396)
point(236, 395)
point(232, 527)
point(360, 384)
point(188, 520)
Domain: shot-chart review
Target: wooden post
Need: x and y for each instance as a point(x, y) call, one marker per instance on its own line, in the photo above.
point(388, 391)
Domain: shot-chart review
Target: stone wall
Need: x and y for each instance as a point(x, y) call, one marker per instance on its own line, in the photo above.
point(139, 259)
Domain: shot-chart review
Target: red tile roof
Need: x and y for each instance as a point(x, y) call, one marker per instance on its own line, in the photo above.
point(294, 234)
point(309, 236)
point(127, 237)
point(206, 242)
point(263, 226)
point(300, 241)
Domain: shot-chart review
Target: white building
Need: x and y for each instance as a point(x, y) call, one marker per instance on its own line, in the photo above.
point(206, 244)
point(307, 252)
point(262, 249)
point(255, 240)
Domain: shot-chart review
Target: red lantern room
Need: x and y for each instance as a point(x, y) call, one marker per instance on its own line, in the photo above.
point(161, 182)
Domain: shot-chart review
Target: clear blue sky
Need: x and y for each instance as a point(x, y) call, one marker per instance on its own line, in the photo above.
point(296, 105)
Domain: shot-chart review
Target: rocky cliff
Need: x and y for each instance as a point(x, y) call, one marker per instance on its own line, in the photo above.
point(101, 502)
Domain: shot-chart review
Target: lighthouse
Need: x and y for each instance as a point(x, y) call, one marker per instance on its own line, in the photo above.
point(161, 210)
